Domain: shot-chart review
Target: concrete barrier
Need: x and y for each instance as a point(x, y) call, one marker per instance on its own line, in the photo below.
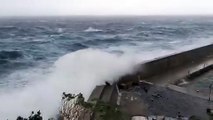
point(185, 59)
point(104, 93)
point(97, 93)
point(175, 66)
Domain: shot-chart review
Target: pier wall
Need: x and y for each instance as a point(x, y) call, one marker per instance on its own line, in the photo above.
point(175, 61)
point(171, 65)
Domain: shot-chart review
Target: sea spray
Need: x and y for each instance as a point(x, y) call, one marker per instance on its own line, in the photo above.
point(76, 72)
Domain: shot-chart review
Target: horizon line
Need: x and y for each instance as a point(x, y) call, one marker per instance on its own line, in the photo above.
point(113, 15)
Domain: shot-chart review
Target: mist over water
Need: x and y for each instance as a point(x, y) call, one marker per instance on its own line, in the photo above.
point(41, 58)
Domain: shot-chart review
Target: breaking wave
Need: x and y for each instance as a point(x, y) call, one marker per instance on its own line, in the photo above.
point(76, 72)
point(91, 29)
point(8, 27)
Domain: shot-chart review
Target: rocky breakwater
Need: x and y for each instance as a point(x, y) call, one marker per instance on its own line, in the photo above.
point(75, 108)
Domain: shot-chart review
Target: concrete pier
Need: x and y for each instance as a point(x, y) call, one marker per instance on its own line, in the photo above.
point(168, 69)
point(107, 94)
point(151, 90)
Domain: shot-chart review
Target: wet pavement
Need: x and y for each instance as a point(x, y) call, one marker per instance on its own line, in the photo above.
point(162, 101)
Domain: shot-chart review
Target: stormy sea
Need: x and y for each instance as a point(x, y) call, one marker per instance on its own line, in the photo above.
point(41, 57)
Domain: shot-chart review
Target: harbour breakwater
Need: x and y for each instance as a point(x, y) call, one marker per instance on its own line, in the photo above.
point(172, 67)
point(152, 90)
point(164, 71)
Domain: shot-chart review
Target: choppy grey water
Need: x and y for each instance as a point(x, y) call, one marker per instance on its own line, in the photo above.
point(32, 53)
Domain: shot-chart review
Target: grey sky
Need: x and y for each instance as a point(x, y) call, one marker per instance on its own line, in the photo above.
point(104, 7)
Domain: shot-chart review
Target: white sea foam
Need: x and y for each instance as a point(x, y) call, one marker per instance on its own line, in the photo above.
point(7, 27)
point(174, 42)
point(91, 29)
point(60, 30)
point(76, 72)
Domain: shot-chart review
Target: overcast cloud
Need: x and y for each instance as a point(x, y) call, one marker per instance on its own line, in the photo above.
point(105, 7)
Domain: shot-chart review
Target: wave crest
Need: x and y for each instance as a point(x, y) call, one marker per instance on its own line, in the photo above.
point(91, 29)
point(76, 72)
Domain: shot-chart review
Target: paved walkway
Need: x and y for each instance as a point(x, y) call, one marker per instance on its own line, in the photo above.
point(162, 101)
